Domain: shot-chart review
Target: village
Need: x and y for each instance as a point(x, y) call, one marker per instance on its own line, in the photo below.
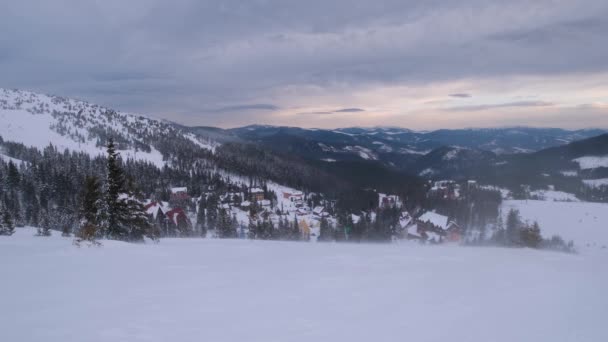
point(273, 203)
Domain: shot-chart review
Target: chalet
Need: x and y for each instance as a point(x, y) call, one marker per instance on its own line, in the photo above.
point(389, 201)
point(179, 219)
point(293, 196)
point(256, 194)
point(319, 212)
point(445, 189)
point(156, 212)
point(431, 224)
point(180, 198)
point(304, 228)
point(231, 197)
point(264, 203)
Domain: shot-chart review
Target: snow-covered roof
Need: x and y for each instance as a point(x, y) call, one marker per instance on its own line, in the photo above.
point(264, 202)
point(179, 189)
point(245, 204)
point(435, 219)
point(318, 210)
point(256, 190)
point(413, 230)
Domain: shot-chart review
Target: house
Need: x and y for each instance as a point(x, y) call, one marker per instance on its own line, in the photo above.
point(319, 212)
point(180, 198)
point(389, 201)
point(256, 194)
point(446, 189)
point(180, 220)
point(231, 197)
point(439, 227)
point(304, 228)
point(264, 203)
point(293, 195)
point(155, 212)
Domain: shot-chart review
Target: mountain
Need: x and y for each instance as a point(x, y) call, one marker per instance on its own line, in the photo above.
point(331, 161)
point(401, 148)
point(37, 120)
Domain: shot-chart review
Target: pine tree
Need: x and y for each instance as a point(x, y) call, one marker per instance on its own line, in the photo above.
point(531, 236)
point(7, 228)
point(201, 220)
point(295, 235)
point(91, 200)
point(45, 224)
point(115, 207)
point(513, 227)
point(325, 231)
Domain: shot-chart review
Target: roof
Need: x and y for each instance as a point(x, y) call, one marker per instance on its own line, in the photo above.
point(435, 219)
point(256, 190)
point(173, 214)
point(318, 210)
point(152, 209)
point(293, 193)
point(179, 189)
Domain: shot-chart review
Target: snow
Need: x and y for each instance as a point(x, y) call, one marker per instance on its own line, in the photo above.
point(569, 173)
point(582, 222)
point(591, 162)
point(36, 120)
point(8, 159)
point(427, 172)
point(596, 183)
point(179, 189)
point(257, 291)
point(434, 218)
point(329, 160)
point(553, 195)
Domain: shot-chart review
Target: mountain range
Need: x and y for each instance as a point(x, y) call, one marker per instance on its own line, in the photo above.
point(379, 157)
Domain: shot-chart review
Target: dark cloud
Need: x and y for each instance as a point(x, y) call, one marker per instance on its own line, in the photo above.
point(460, 95)
point(501, 105)
point(349, 110)
point(337, 111)
point(159, 56)
point(246, 107)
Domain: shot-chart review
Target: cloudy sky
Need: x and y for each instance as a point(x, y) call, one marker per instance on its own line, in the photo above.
point(420, 64)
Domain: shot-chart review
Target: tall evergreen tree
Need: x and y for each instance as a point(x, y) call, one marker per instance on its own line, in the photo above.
point(201, 219)
point(115, 206)
point(7, 228)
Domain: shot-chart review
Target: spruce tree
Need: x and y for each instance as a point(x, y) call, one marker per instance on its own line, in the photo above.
point(91, 200)
point(7, 228)
point(201, 220)
point(115, 207)
point(325, 233)
point(513, 227)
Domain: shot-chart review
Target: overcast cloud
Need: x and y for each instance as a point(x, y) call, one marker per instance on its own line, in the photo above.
point(231, 62)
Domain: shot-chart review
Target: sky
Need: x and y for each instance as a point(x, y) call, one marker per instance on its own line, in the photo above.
point(419, 64)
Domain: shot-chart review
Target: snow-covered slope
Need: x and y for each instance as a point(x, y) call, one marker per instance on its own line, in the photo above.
point(256, 291)
point(37, 120)
point(582, 222)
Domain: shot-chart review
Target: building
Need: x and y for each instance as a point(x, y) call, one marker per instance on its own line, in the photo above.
point(256, 194)
point(180, 220)
point(180, 198)
point(389, 201)
point(438, 227)
point(293, 195)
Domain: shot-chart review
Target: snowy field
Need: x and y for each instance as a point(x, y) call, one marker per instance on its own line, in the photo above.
point(585, 223)
point(240, 290)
